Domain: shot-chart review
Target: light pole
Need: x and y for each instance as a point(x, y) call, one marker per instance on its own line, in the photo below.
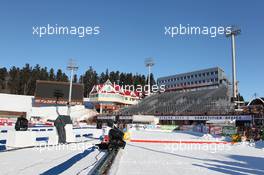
point(149, 62)
point(72, 67)
point(234, 32)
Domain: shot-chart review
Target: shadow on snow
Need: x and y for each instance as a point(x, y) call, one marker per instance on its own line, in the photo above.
point(68, 163)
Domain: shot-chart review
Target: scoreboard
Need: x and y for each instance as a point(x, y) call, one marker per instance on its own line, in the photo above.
point(52, 92)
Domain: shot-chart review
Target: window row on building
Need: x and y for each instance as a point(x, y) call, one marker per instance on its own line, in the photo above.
point(186, 77)
point(212, 80)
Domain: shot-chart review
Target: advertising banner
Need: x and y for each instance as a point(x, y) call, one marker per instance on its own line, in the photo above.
point(229, 130)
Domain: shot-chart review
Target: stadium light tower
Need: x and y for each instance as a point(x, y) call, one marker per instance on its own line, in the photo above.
point(72, 67)
point(234, 32)
point(149, 62)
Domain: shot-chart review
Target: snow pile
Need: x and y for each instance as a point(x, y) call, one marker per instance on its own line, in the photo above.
point(216, 137)
point(257, 144)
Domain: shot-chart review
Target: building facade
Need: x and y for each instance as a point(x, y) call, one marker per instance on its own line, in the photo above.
point(110, 97)
point(211, 77)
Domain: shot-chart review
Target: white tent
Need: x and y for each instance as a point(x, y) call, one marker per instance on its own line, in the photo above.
point(16, 103)
point(23, 103)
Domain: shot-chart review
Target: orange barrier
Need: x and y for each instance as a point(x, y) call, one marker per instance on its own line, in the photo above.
point(179, 142)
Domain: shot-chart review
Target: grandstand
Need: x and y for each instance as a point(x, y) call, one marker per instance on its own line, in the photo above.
point(207, 101)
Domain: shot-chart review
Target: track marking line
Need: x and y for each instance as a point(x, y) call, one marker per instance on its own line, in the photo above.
point(179, 142)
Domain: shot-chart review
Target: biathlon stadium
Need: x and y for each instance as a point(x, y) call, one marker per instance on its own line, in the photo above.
point(131, 87)
point(192, 111)
point(90, 135)
point(201, 98)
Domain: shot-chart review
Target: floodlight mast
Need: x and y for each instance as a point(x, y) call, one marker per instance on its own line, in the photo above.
point(234, 32)
point(72, 67)
point(149, 62)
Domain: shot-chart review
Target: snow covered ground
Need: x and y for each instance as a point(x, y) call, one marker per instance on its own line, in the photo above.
point(179, 135)
point(163, 158)
point(74, 158)
point(141, 158)
point(62, 159)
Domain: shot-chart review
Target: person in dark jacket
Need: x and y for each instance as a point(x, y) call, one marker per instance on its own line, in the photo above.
point(21, 124)
point(60, 124)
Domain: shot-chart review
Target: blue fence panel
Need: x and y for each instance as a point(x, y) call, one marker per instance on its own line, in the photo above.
point(2, 147)
point(88, 135)
point(3, 142)
point(46, 139)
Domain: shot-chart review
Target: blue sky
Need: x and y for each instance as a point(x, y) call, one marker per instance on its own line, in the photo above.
point(134, 30)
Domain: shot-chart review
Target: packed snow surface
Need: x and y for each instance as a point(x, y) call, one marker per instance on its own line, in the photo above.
point(141, 158)
point(67, 159)
point(160, 158)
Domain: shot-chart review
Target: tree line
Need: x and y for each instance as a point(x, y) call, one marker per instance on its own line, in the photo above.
point(22, 81)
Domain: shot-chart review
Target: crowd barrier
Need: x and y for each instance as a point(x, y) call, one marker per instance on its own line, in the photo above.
point(45, 135)
point(2, 145)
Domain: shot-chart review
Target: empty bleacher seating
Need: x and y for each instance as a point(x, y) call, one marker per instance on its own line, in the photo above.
point(206, 101)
